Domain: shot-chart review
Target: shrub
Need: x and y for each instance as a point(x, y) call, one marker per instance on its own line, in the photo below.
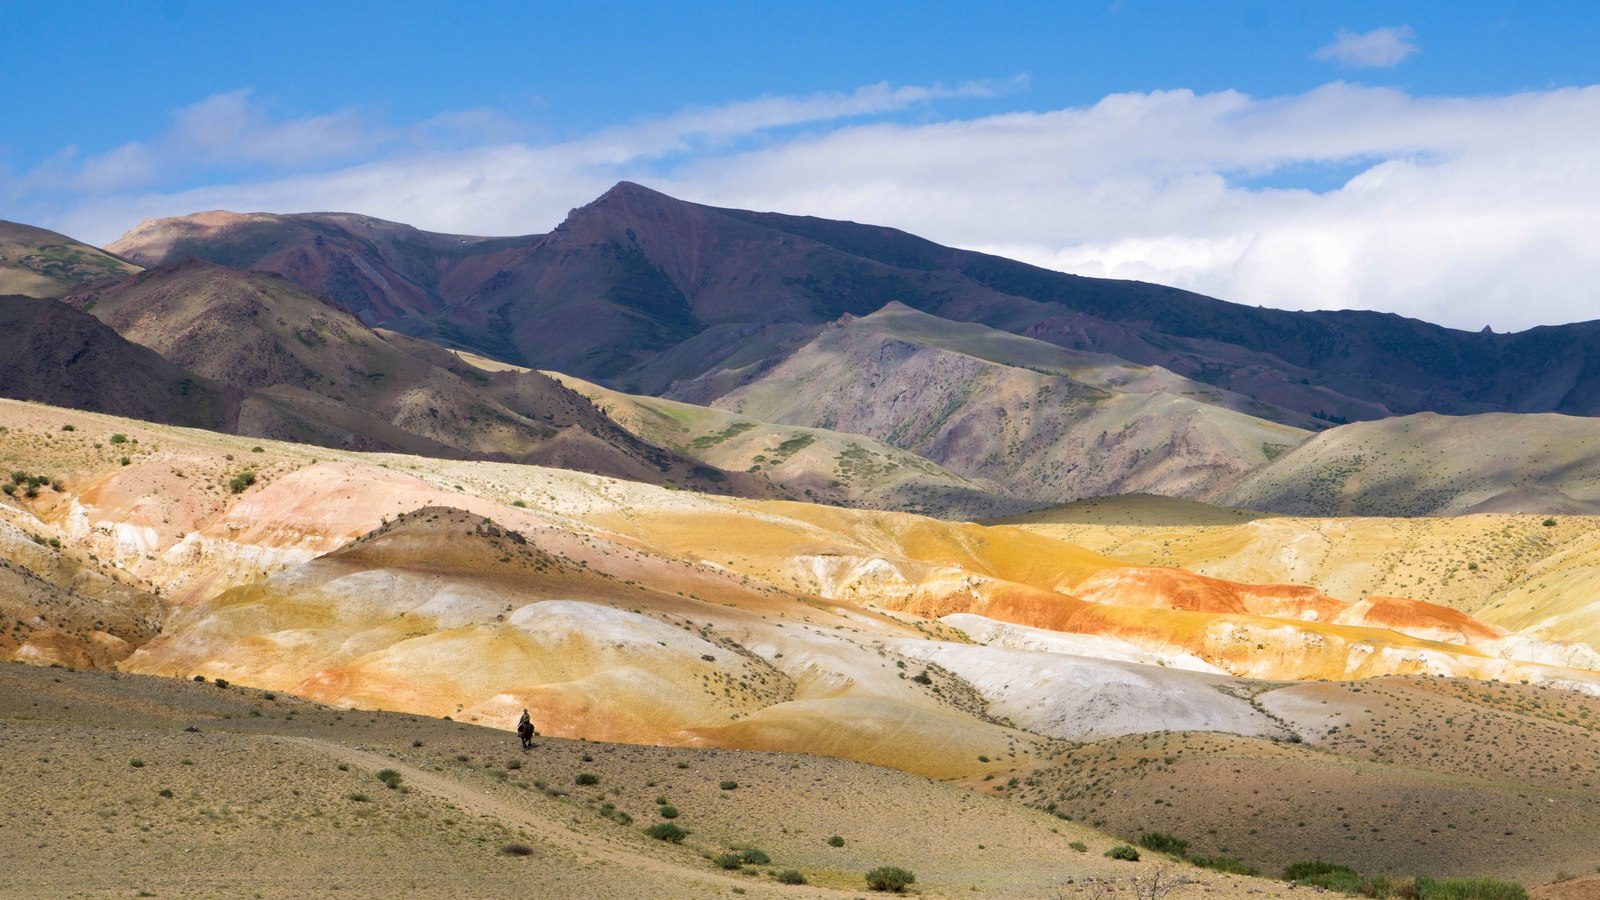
point(729, 785)
point(754, 857)
point(258, 450)
point(666, 831)
point(125, 460)
point(836, 841)
point(239, 482)
point(1123, 851)
point(69, 427)
point(119, 438)
point(790, 876)
point(390, 777)
point(136, 763)
point(220, 682)
point(165, 792)
point(889, 878)
point(587, 778)
point(519, 504)
point(1224, 864)
point(922, 677)
point(1325, 875)
point(729, 861)
point(668, 811)
point(1079, 846)
point(360, 797)
point(1469, 889)
point(517, 850)
point(1548, 523)
point(1163, 843)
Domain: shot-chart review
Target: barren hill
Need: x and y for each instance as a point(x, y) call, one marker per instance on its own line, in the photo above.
point(1039, 421)
point(36, 262)
point(815, 464)
point(1435, 465)
point(315, 373)
point(376, 269)
point(52, 353)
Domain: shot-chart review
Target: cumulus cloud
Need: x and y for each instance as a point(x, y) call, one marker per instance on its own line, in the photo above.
point(1464, 211)
point(1379, 48)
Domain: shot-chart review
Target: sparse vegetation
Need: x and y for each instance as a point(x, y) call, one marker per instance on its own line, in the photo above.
point(836, 841)
point(1123, 852)
point(666, 831)
point(890, 878)
point(238, 483)
point(790, 876)
point(1164, 843)
point(587, 778)
point(390, 778)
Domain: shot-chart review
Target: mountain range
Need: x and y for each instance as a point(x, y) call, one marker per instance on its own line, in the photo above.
point(637, 290)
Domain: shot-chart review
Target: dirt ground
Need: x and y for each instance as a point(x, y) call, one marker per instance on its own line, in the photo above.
point(119, 785)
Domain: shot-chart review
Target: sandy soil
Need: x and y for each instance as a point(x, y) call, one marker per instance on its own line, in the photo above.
point(109, 795)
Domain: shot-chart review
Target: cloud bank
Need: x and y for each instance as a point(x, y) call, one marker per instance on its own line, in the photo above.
point(1466, 211)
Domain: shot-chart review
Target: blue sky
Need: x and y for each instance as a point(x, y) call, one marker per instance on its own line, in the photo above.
point(1298, 154)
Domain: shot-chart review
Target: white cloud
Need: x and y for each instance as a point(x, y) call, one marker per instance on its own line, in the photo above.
point(1379, 48)
point(1465, 211)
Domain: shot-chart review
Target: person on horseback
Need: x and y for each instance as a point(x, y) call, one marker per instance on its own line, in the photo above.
point(525, 730)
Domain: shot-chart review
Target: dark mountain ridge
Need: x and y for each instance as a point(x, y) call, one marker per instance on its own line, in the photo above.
point(638, 290)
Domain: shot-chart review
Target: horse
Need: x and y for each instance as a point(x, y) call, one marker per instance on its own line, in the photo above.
point(525, 731)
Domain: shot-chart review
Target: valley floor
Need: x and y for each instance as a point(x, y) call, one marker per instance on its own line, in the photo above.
point(122, 785)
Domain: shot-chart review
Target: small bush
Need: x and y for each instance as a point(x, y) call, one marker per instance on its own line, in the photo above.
point(790, 876)
point(1224, 864)
point(1123, 851)
point(587, 778)
point(519, 504)
point(124, 460)
point(836, 841)
point(1324, 875)
point(517, 850)
point(1163, 843)
point(1469, 889)
point(729, 861)
point(239, 482)
point(922, 677)
point(1548, 523)
point(220, 682)
point(360, 797)
point(729, 785)
point(119, 438)
point(199, 679)
point(889, 878)
point(668, 811)
point(666, 831)
point(754, 857)
point(136, 763)
point(390, 777)
point(258, 449)
point(164, 792)
point(1079, 846)
point(69, 427)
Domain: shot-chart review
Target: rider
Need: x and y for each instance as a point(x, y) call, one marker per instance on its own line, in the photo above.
point(525, 720)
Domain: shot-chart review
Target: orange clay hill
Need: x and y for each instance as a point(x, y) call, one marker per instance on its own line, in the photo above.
point(619, 611)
